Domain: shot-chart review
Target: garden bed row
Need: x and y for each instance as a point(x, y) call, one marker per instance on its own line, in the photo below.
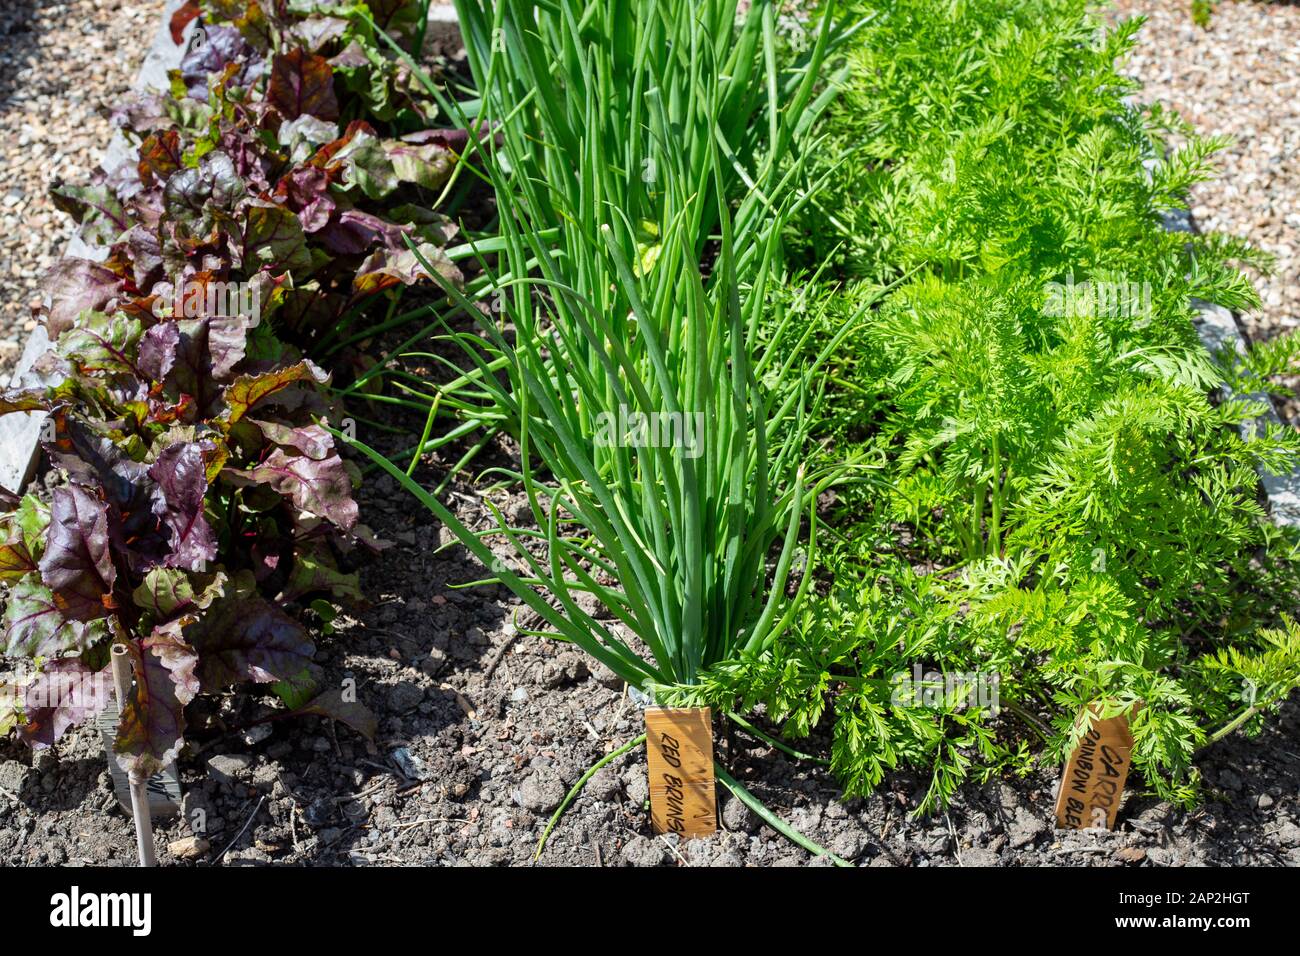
point(480, 727)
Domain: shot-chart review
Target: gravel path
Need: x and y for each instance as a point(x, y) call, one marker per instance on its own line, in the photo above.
point(1241, 77)
point(61, 65)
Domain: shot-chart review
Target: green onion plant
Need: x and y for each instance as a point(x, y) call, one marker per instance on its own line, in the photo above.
point(646, 158)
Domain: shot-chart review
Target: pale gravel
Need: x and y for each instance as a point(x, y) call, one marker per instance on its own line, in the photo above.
point(63, 64)
point(1241, 78)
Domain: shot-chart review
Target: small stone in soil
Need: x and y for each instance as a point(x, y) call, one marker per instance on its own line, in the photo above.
point(411, 766)
point(644, 851)
point(604, 785)
point(1289, 834)
point(1229, 780)
point(1025, 828)
point(739, 818)
point(226, 768)
point(542, 791)
point(404, 697)
point(638, 790)
point(265, 776)
point(552, 675)
point(850, 844)
point(606, 677)
point(435, 662)
point(1164, 856)
point(279, 750)
point(256, 734)
point(13, 776)
point(319, 812)
point(188, 848)
point(977, 856)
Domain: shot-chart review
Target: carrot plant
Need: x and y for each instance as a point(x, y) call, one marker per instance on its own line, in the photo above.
point(1070, 507)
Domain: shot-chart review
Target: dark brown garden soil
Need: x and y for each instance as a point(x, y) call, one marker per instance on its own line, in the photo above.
point(482, 729)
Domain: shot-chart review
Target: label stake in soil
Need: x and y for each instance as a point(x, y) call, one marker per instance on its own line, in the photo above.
point(1093, 781)
point(679, 753)
point(164, 787)
point(139, 789)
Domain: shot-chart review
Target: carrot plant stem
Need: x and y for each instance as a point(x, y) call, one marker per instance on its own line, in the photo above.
point(1235, 724)
point(995, 522)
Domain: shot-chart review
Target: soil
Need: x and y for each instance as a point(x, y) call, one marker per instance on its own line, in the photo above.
point(483, 728)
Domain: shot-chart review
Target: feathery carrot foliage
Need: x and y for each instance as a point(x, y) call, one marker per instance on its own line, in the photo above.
point(1068, 502)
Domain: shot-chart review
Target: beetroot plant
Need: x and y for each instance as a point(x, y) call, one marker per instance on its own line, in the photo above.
point(197, 492)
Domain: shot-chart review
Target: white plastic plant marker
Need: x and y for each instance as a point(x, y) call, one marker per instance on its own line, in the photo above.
point(139, 788)
point(163, 788)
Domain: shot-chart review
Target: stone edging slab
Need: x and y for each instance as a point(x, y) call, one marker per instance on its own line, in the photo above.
point(1219, 330)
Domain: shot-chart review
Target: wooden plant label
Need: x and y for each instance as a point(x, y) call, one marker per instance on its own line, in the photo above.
point(1093, 781)
point(164, 787)
point(679, 749)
